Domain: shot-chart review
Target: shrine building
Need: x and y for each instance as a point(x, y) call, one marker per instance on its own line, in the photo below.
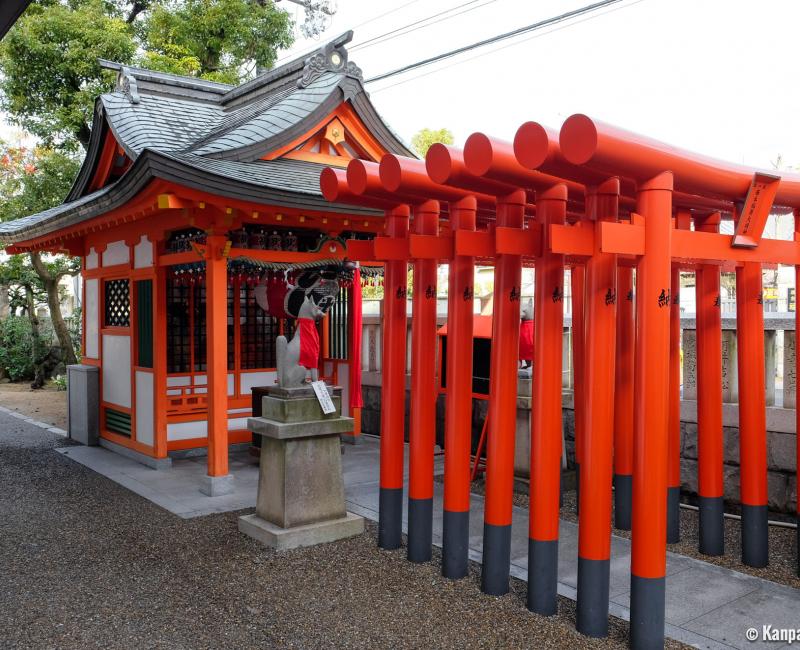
point(191, 194)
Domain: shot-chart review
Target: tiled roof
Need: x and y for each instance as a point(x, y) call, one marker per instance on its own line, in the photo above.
point(212, 136)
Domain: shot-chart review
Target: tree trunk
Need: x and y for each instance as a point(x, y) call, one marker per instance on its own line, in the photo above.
point(37, 353)
point(54, 305)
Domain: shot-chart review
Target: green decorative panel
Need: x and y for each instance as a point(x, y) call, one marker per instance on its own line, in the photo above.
point(118, 422)
point(144, 323)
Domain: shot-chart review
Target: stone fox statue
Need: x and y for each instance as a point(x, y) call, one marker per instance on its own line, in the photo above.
point(301, 354)
point(307, 299)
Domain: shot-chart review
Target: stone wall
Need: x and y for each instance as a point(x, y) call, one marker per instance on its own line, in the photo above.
point(781, 455)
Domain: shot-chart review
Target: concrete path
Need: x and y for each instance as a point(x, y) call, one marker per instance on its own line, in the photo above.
point(707, 606)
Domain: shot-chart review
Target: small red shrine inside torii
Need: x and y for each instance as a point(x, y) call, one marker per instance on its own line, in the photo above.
point(626, 214)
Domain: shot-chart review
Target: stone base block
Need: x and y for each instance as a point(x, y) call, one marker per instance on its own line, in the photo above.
point(320, 532)
point(144, 459)
point(217, 486)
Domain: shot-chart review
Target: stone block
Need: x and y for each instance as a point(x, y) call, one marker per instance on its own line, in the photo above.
point(789, 369)
point(689, 364)
point(217, 486)
point(298, 410)
point(781, 451)
point(689, 475)
point(522, 444)
point(300, 480)
point(777, 490)
point(689, 439)
point(730, 436)
point(83, 403)
point(730, 369)
point(303, 429)
point(791, 494)
point(770, 364)
point(319, 532)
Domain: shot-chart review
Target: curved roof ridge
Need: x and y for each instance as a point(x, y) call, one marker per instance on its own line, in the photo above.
point(282, 73)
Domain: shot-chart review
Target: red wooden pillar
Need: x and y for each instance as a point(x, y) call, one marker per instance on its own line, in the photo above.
point(458, 412)
point(594, 533)
point(709, 402)
point(545, 482)
point(218, 481)
point(650, 443)
point(422, 430)
point(393, 388)
point(577, 286)
point(752, 414)
point(674, 451)
point(502, 405)
point(623, 399)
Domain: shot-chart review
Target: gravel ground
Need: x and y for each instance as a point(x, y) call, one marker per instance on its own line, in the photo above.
point(87, 563)
point(782, 541)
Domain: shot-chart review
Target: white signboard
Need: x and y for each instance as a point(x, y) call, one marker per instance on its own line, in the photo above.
point(323, 397)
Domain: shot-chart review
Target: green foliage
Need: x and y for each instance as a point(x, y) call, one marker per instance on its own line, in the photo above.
point(16, 348)
point(49, 59)
point(33, 179)
point(424, 138)
point(50, 73)
point(60, 382)
point(221, 40)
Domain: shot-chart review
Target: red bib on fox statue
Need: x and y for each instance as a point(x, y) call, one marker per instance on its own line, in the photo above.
point(309, 343)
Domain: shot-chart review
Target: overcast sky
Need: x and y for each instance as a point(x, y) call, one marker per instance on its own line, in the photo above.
point(714, 76)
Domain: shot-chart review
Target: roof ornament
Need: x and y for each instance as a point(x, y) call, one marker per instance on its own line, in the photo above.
point(329, 58)
point(126, 83)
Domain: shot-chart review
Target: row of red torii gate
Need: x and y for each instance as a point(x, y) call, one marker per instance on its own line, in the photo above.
point(618, 209)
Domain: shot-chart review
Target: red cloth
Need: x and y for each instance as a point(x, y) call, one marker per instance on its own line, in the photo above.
point(526, 340)
point(309, 343)
point(356, 400)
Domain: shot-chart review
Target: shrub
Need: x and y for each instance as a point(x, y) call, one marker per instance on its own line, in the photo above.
point(16, 354)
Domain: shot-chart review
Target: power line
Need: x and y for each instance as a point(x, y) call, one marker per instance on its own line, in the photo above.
point(494, 39)
point(400, 31)
point(366, 22)
point(498, 49)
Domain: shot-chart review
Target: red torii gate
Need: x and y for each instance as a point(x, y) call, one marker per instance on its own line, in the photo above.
point(605, 202)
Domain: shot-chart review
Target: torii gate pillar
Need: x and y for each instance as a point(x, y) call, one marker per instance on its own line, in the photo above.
point(393, 389)
point(650, 444)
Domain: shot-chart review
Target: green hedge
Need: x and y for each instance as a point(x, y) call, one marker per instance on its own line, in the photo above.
point(16, 348)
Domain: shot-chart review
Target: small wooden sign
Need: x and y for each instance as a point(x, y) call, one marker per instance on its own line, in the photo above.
point(323, 397)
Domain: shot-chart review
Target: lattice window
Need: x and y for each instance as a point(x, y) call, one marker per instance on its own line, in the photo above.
point(199, 327)
point(337, 325)
point(117, 303)
point(186, 327)
point(179, 342)
point(258, 332)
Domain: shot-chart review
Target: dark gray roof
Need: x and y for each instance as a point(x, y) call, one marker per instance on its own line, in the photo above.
point(10, 10)
point(212, 136)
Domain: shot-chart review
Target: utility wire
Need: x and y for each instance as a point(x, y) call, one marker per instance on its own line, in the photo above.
point(503, 47)
point(399, 31)
point(315, 47)
point(494, 39)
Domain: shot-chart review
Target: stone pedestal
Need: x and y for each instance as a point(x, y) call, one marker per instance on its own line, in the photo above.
point(300, 498)
point(83, 404)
